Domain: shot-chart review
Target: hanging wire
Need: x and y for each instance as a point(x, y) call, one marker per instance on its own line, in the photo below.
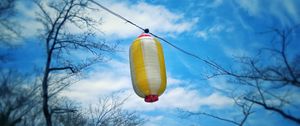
point(190, 54)
point(119, 16)
point(164, 40)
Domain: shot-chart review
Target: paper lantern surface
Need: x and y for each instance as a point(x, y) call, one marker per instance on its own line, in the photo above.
point(148, 72)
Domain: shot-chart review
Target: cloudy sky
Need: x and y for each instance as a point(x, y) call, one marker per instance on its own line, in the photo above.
point(214, 29)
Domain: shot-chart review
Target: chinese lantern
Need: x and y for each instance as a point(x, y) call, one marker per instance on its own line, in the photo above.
point(148, 72)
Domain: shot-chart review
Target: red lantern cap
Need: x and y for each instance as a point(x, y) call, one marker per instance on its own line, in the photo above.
point(144, 35)
point(151, 98)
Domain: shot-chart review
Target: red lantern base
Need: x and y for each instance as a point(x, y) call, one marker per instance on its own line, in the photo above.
point(151, 98)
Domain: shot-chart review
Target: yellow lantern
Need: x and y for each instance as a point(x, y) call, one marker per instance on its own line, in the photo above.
point(148, 72)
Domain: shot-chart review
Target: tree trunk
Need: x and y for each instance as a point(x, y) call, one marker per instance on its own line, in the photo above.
point(47, 114)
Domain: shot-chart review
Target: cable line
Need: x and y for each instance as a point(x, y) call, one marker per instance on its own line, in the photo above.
point(164, 40)
point(119, 16)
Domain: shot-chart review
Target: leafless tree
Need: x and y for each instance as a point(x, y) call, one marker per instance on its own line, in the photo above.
point(270, 80)
point(68, 113)
point(8, 27)
point(241, 106)
point(17, 97)
point(20, 105)
point(274, 76)
point(63, 46)
point(109, 112)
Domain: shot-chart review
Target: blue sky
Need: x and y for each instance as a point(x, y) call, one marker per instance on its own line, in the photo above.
point(214, 29)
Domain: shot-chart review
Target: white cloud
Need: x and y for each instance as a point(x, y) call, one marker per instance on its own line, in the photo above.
point(154, 120)
point(182, 98)
point(116, 76)
point(167, 119)
point(172, 81)
point(208, 3)
point(171, 99)
point(106, 79)
point(213, 31)
point(236, 52)
point(292, 10)
point(219, 83)
point(216, 28)
point(285, 11)
point(216, 3)
point(101, 81)
point(24, 19)
point(202, 34)
point(251, 6)
point(155, 17)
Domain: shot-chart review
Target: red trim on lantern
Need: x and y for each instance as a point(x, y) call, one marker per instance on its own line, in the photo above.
point(151, 98)
point(144, 35)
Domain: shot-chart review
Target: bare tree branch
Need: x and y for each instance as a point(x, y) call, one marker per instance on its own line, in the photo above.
point(60, 42)
point(268, 79)
point(214, 116)
point(285, 115)
point(62, 68)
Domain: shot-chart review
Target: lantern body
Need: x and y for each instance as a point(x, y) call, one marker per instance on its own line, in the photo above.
point(148, 72)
